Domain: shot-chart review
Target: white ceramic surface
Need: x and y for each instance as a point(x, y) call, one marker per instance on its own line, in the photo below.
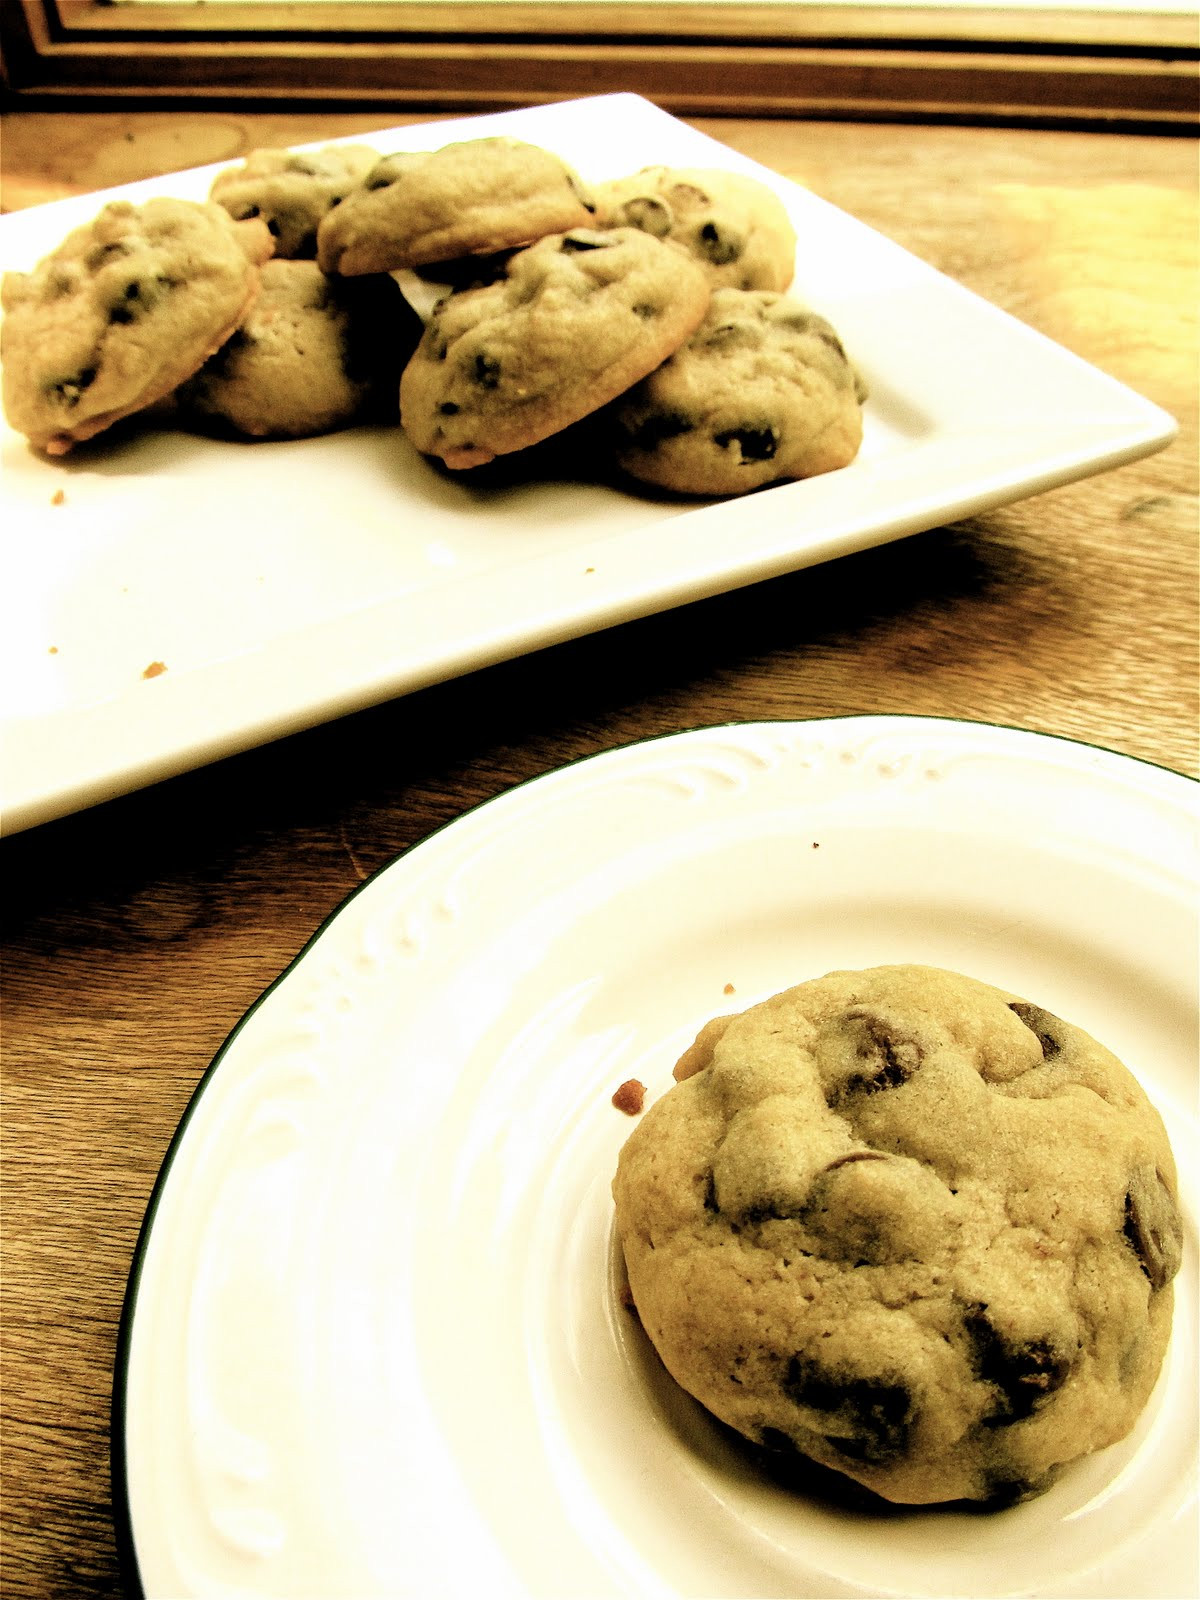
point(374, 1343)
point(284, 583)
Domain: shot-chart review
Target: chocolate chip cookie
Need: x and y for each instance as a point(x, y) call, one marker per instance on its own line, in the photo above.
point(733, 225)
point(122, 312)
point(291, 190)
point(577, 318)
point(315, 353)
point(911, 1226)
point(471, 198)
point(762, 391)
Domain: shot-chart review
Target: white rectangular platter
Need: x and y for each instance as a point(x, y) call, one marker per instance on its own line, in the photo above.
point(269, 587)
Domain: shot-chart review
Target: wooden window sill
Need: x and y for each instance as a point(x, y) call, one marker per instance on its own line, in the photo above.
point(1073, 68)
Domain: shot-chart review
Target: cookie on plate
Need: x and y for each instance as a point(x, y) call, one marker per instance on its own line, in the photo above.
point(315, 353)
point(911, 1226)
point(578, 317)
point(736, 227)
point(469, 198)
point(761, 392)
point(291, 190)
point(121, 313)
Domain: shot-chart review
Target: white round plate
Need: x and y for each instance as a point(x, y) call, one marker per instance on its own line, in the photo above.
point(374, 1342)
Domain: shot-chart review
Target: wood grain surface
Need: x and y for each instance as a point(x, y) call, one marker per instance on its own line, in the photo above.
point(136, 934)
point(1072, 66)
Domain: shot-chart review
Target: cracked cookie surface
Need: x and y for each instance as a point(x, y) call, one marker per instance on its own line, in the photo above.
point(910, 1226)
point(474, 197)
point(121, 313)
point(577, 318)
point(762, 392)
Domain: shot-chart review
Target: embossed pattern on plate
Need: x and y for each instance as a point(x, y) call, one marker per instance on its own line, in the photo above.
point(374, 1343)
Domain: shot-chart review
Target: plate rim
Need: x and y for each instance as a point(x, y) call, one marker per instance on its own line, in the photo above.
point(1178, 786)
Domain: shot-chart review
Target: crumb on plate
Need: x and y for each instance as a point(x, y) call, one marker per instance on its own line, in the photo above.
point(630, 1097)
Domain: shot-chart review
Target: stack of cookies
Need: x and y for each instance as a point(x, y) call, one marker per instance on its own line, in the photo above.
point(215, 308)
point(652, 308)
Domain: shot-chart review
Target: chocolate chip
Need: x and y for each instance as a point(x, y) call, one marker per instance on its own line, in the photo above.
point(646, 311)
point(648, 214)
point(486, 371)
point(100, 255)
point(575, 244)
point(657, 427)
point(825, 333)
point(730, 333)
point(1153, 1228)
point(1025, 1372)
point(886, 1059)
point(60, 281)
point(138, 296)
point(786, 314)
point(877, 1414)
point(382, 175)
point(448, 408)
point(755, 444)
point(433, 344)
point(1002, 1491)
point(718, 246)
point(1044, 1024)
point(70, 389)
point(130, 306)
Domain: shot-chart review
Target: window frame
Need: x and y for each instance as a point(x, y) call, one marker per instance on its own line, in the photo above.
point(1048, 67)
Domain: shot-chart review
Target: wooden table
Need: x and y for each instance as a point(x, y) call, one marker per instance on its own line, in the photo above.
point(138, 933)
